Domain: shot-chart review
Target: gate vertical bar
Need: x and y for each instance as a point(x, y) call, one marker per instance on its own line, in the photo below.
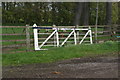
point(54, 36)
point(36, 38)
point(57, 37)
point(90, 32)
point(75, 37)
point(78, 33)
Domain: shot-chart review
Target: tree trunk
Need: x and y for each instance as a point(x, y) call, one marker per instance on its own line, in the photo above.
point(108, 16)
point(3, 5)
point(86, 14)
point(78, 13)
point(108, 13)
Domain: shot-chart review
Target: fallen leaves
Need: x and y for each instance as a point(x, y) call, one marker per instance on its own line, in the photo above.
point(55, 72)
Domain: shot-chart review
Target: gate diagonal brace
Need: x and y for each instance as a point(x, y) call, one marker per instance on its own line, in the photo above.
point(48, 38)
point(90, 33)
point(55, 32)
point(66, 38)
point(84, 37)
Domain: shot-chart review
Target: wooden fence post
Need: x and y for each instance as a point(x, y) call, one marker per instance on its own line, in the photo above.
point(115, 32)
point(96, 31)
point(111, 32)
point(27, 38)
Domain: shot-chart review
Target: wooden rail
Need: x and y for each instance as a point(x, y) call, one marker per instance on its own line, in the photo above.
point(114, 30)
point(11, 34)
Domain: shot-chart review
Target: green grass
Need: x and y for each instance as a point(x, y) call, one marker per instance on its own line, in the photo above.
point(61, 53)
point(13, 37)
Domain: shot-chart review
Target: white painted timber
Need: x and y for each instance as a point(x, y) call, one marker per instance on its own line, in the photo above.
point(36, 46)
point(57, 36)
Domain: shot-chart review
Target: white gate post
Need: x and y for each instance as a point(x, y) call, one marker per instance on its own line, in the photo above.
point(90, 35)
point(36, 46)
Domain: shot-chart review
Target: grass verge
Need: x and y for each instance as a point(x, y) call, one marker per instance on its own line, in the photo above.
point(59, 54)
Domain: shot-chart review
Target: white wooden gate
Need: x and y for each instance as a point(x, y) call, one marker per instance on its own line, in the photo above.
point(57, 38)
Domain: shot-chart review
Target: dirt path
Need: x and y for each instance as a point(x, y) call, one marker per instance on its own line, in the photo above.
point(98, 67)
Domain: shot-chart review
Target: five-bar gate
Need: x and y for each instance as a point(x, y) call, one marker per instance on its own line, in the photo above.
point(54, 36)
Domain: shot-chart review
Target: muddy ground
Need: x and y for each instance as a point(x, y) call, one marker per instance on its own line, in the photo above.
point(91, 67)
